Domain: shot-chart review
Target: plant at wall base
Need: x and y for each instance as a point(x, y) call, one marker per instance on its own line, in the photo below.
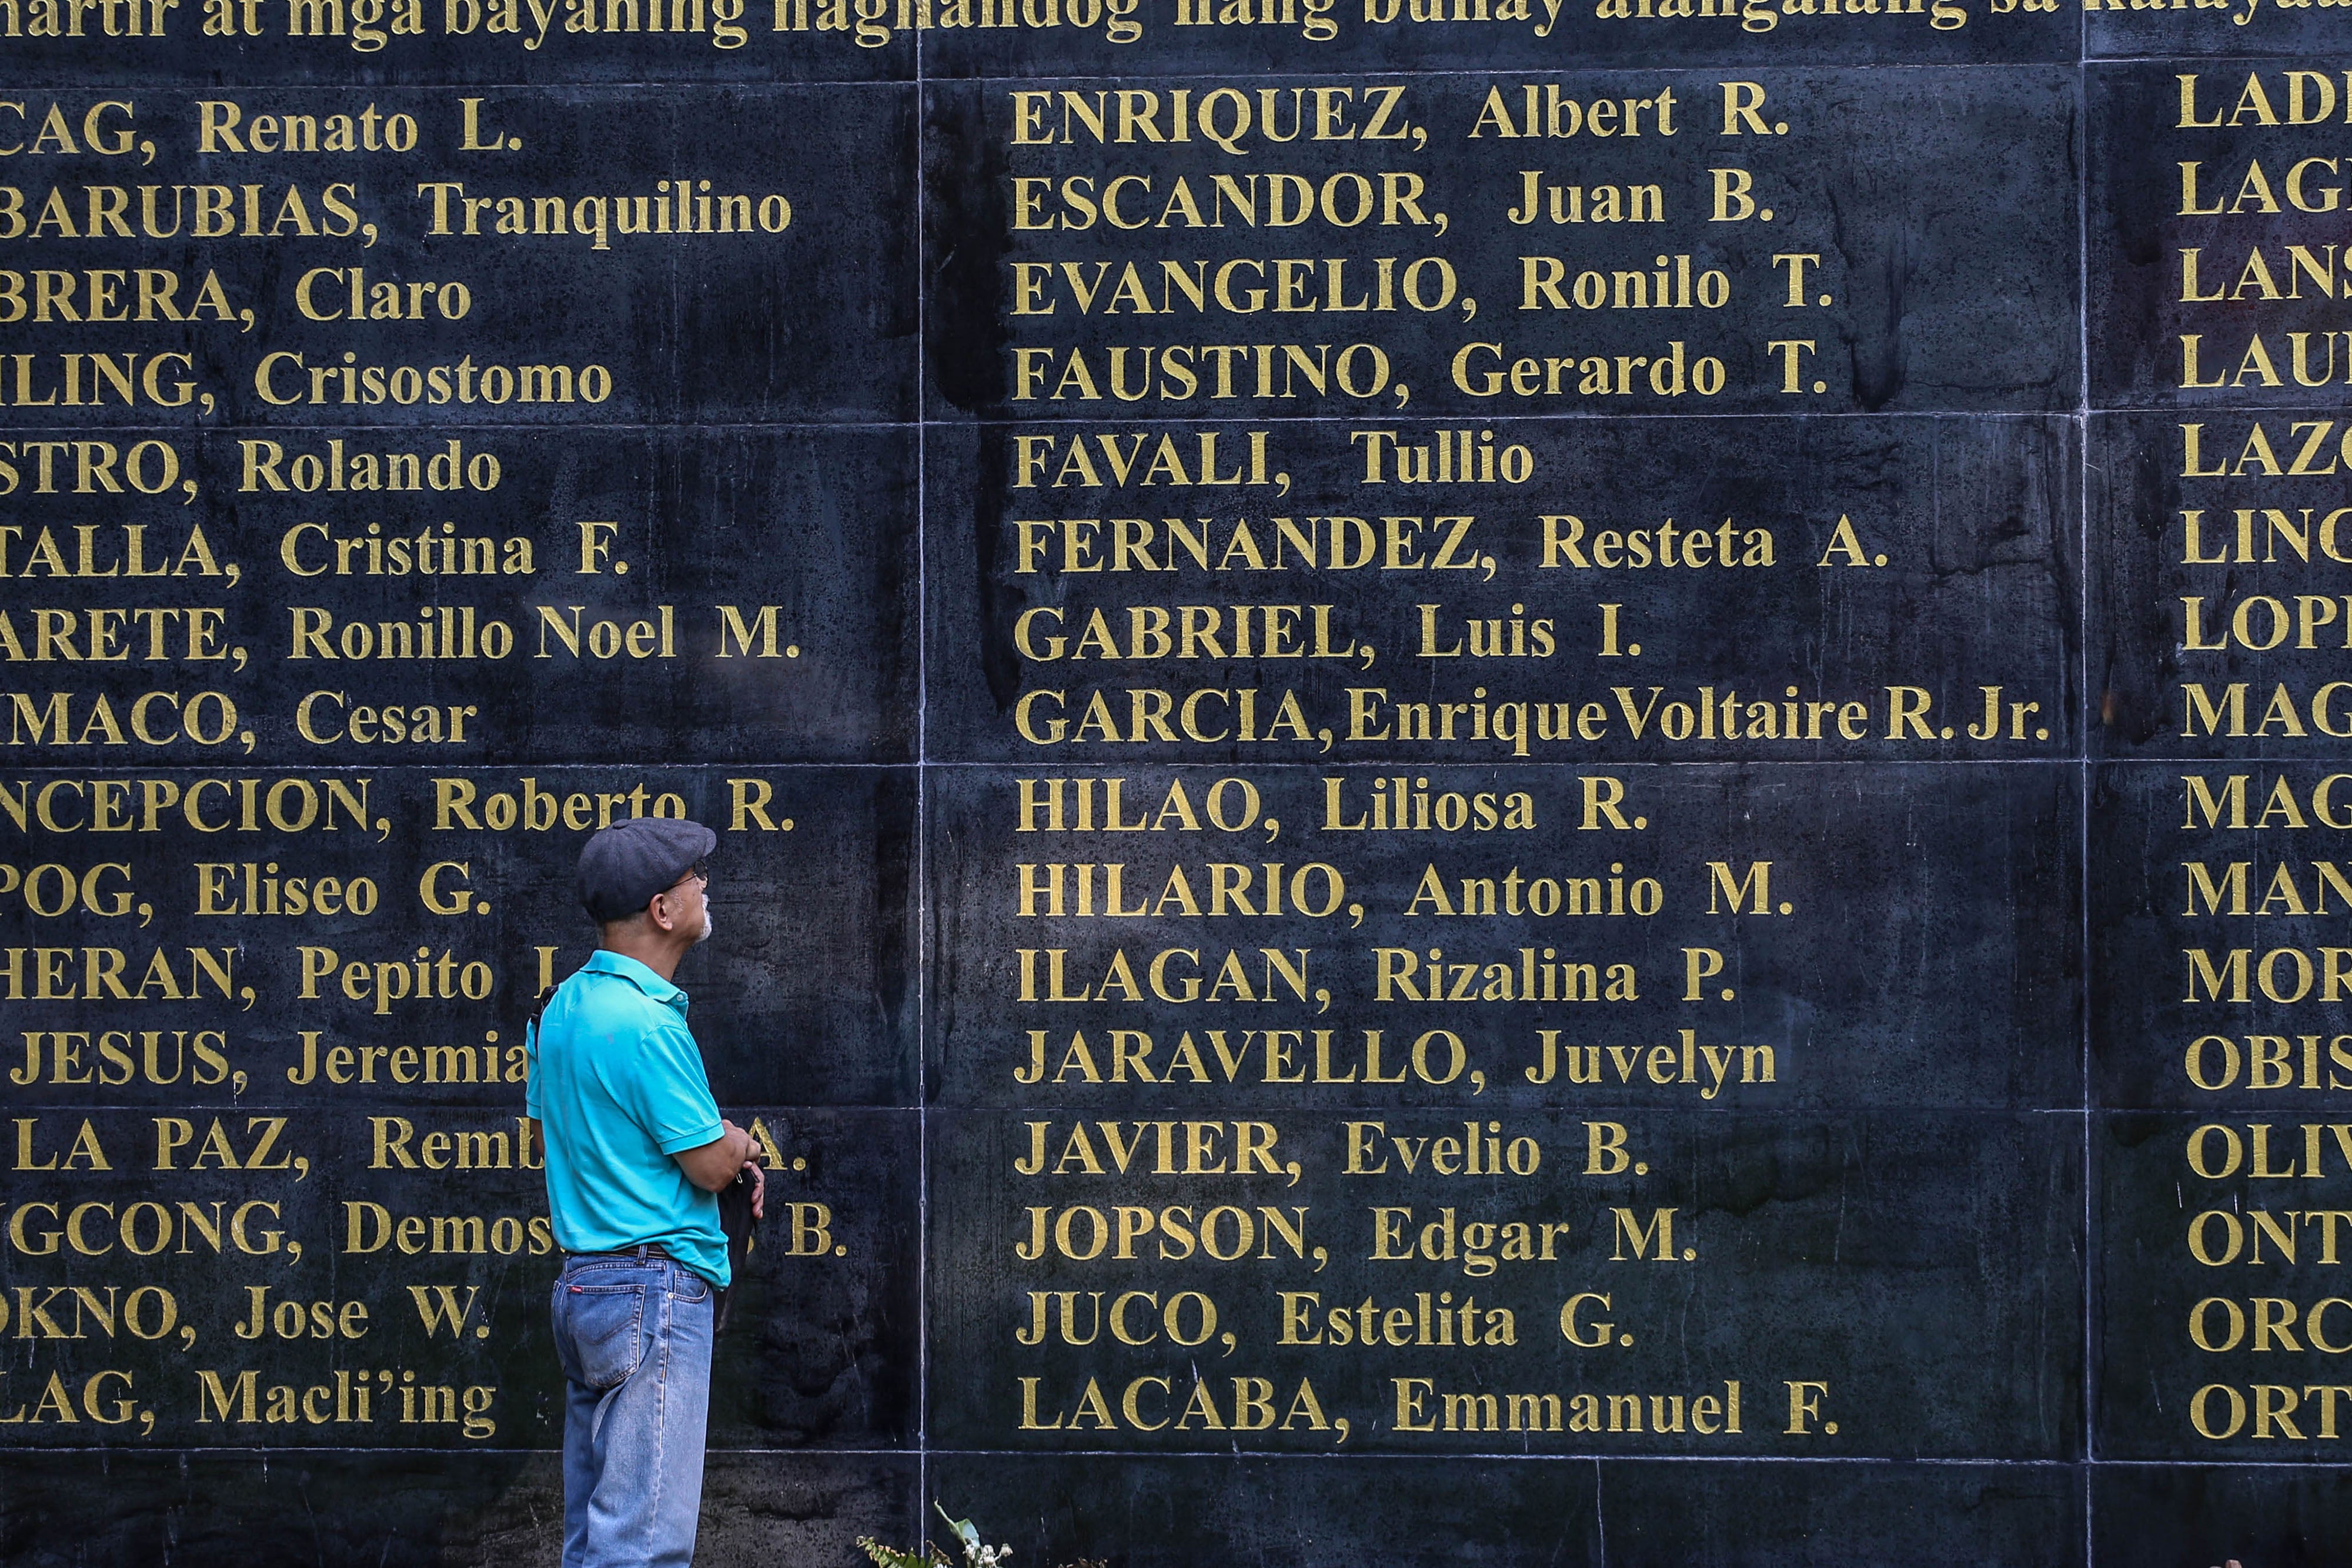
point(967, 1539)
point(891, 1557)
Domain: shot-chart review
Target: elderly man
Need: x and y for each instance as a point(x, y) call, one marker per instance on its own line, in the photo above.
point(636, 1152)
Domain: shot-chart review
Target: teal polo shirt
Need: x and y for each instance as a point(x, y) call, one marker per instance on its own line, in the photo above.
point(618, 1087)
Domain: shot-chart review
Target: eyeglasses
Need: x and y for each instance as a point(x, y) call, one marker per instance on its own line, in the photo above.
point(699, 872)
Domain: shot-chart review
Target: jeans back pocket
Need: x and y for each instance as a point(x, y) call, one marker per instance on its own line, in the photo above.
point(600, 1332)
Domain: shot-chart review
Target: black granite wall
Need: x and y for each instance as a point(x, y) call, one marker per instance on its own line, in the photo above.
point(1499, 780)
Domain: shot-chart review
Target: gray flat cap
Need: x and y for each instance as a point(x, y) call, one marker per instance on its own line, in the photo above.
point(622, 866)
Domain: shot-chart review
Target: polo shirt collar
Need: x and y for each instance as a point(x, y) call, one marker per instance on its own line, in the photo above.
point(604, 961)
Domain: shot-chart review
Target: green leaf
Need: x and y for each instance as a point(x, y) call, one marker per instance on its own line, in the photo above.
point(965, 1534)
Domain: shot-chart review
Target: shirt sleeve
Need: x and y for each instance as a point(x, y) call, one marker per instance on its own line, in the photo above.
point(530, 1074)
point(669, 1096)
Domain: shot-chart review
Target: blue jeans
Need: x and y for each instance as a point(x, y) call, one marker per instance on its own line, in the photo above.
point(634, 1335)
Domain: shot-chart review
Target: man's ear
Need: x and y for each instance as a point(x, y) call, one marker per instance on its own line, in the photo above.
point(658, 913)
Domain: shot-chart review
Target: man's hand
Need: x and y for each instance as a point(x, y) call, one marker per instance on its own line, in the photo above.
point(759, 1175)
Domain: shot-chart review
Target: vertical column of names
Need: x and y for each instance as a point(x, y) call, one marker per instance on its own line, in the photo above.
point(2217, 637)
point(1502, 867)
point(403, 481)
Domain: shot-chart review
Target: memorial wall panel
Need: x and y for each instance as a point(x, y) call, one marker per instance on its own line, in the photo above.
point(1170, 1510)
point(1767, 590)
point(1158, 203)
point(510, 596)
point(638, 233)
point(1534, 955)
